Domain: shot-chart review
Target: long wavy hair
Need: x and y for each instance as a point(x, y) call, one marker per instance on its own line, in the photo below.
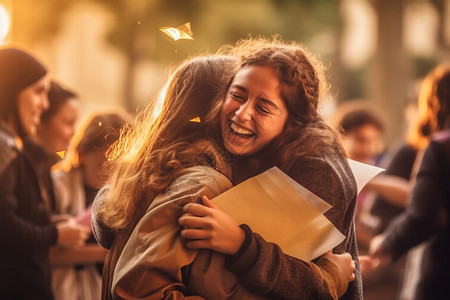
point(148, 156)
point(433, 107)
point(302, 78)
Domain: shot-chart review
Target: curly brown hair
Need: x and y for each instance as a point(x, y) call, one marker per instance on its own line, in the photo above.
point(303, 82)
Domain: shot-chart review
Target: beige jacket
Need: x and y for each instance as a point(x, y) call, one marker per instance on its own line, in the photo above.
point(155, 264)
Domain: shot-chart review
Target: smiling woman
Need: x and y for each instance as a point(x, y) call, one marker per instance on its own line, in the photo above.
point(26, 231)
point(253, 112)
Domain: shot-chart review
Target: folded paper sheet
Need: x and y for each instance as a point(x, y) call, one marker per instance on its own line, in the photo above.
point(363, 173)
point(182, 32)
point(284, 212)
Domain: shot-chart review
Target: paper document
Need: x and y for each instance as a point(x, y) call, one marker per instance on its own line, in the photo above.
point(363, 173)
point(284, 212)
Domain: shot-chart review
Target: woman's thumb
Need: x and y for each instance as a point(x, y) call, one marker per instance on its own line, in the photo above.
point(208, 203)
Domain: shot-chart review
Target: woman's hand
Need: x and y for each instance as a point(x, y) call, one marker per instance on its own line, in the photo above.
point(378, 255)
point(206, 226)
point(367, 264)
point(345, 263)
point(71, 234)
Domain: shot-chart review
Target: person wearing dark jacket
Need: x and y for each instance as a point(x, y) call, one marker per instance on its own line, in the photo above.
point(25, 228)
point(426, 217)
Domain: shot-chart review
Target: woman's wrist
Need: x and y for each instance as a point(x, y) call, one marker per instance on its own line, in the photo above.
point(241, 262)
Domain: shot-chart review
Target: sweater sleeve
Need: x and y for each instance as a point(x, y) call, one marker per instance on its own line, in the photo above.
point(264, 269)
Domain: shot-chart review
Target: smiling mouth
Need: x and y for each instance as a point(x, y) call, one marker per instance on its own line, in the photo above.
point(241, 131)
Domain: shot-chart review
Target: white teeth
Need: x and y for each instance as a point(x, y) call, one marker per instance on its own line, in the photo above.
point(240, 130)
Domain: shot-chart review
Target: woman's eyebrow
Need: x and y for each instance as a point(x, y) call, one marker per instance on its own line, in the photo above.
point(269, 102)
point(239, 87)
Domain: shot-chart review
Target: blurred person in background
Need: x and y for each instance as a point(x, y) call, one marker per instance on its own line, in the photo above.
point(77, 179)
point(362, 128)
point(403, 166)
point(426, 216)
point(406, 160)
point(26, 231)
point(56, 128)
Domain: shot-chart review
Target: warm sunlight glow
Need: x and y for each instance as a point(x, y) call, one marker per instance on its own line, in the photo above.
point(160, 102)
point(4, 23)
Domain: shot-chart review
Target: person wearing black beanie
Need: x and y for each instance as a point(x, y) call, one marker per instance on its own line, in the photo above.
point(26, 232)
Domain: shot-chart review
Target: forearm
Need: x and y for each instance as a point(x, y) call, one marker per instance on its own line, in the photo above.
point(274, 274)
point(329, 273)
point(392, 188)
point(87, 254)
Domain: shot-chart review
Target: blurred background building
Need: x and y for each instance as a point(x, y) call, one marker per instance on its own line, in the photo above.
point(112, 53)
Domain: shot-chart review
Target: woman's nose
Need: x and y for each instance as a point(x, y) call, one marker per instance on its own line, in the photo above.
point(45, 103)
point(245, 112)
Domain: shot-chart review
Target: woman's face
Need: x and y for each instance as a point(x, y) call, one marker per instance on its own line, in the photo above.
point(56, 132)
point(31, 102)
point(253, 112)
point(93, 167)
point(363, 143)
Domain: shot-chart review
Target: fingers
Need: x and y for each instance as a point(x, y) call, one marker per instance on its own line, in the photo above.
point(195, 209)
point(197, 244)
point(353, 276)
point(194, 234)
point(189, 221)
point(208, 203)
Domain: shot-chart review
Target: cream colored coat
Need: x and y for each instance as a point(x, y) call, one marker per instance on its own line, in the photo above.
point(155, 263)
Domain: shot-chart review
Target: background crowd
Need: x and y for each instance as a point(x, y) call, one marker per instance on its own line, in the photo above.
point(53, 162)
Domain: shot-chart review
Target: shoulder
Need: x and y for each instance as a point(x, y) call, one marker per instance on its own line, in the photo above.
point(201, 178)
point(8, 150)
point(441, 143)
point(325, 175)
point(189, 184)
point(438, 151)
point(442, 138)
point(102, 233)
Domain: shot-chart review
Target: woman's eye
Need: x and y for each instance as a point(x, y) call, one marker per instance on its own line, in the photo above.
point(236, 96)
point(263, 109)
